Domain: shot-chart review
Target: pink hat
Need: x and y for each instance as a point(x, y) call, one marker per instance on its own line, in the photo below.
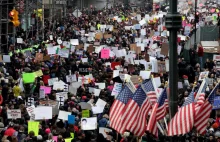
point(84, 97)
point(47, 131)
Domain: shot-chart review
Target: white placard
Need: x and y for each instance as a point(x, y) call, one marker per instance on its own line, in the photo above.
point(13, 113)
point(63, 115)
point(145, 74)
point(97, 91)
point(43, 112)
point(89, 123)
point(19, 40)
point(101, 85)
point(74, 41)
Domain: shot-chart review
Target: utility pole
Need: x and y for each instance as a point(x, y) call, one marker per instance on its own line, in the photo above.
point(195, 44)
point(37, 35)
point(173, 24)
point(42, 20)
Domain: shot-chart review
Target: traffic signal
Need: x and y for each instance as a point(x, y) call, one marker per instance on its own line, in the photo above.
point(14, 17)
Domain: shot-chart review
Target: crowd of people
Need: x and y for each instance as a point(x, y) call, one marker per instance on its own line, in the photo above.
point(94, 31)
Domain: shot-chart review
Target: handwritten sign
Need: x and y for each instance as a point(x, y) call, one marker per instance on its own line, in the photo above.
point(105, 53)
point(117, 89)
point(216, 57)
point(14, 113)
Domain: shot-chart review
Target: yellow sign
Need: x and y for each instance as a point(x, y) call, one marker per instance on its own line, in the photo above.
point(33, 126)
point(85, 113)
point(39, 73)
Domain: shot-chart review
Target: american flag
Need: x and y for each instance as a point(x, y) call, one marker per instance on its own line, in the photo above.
point(158, 113)
point(163, 105)
point(183, 120)
point(202, 116)
point(116, 109)
point(136, 111)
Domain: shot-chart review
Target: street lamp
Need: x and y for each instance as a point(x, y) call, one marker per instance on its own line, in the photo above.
point(195, 21)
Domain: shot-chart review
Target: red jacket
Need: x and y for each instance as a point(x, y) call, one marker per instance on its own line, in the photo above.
point(200, 51)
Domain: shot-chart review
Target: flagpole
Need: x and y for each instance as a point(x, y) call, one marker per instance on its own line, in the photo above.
point(200, 88)
point(213, 89)
point(162, 130)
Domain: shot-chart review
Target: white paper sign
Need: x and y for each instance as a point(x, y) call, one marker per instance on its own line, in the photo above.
point(145, 74)
point(19, 40)
point(97, 91)
point(63, 115)
point(74, 41)
point(13, 113)
point(101, 85)
point(43, 112)
point(6, 58)
point(89, 123)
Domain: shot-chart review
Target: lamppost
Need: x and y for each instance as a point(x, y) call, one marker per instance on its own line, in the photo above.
point(195, 44)
point(173, 24)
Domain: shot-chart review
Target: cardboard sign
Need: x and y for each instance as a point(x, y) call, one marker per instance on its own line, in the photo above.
point(107, 36)
point(90, 49)
point(39, 57)
point(98, 36)
point(134, 79)
point(81, 46)
point(164, 49)
point(14, 113)
point(46, 58)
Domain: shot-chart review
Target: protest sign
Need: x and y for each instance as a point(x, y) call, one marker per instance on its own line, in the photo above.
point(46, 89)
point(85, 105)
point(105, 53)
point(216, 57)
point(89, 123)
point(164, 49)
point(216, 104)
point(13, 113)
point(63, 115)
point(117, 89)
point(39, 57)
point(71, 119)
point(161, 67)
point(203, 75)
point(39, 73)
point(42, 94)
point(104, 131)
point(28, 77)
point(43, 112)
point(6, 58)
point(85, 113)
point(33, 126)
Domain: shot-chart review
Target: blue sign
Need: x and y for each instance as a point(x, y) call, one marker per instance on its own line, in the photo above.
point(71, 119)
point(216, 104)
